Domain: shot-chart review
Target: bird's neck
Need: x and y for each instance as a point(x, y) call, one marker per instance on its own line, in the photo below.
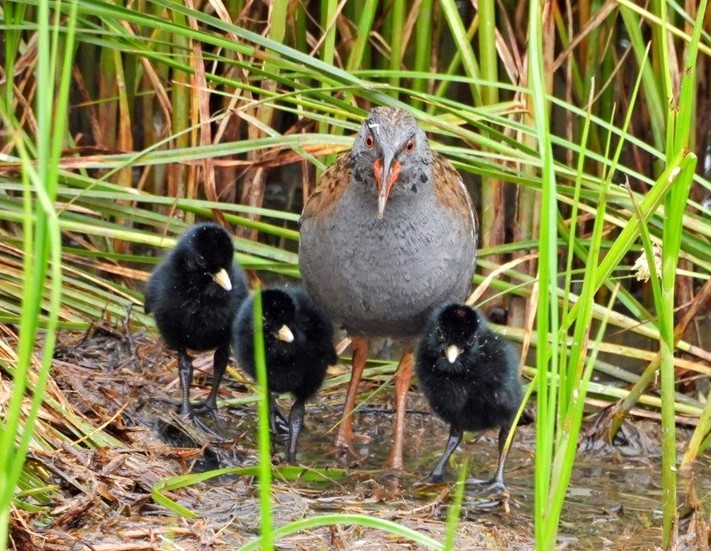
point(408, 195)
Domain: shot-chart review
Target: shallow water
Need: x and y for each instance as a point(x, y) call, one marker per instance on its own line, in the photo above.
point(613, 499)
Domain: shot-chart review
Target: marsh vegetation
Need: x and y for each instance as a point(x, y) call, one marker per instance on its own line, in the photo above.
point(582, 132)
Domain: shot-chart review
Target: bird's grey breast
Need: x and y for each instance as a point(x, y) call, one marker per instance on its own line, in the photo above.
point(383, 277)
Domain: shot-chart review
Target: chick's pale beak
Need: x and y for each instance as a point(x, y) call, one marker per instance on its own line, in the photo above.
point(222, 279)
point(285, 334)
point(386, 172)
point(452, 352)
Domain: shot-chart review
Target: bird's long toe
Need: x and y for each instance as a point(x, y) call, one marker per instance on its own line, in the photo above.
point(208, 407)
point(201, 426)
point(348, 456)
point(493, 485)
point(279, 425)
point(211, 410)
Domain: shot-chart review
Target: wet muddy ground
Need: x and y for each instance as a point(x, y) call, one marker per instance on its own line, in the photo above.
point(126, 385)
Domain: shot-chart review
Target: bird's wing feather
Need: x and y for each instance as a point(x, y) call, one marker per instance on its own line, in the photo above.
point(329, 188)
point(456, 198)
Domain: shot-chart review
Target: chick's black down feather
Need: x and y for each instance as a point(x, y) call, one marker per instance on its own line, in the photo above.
point(191, 309)
point(194, 295)
point(469, 375)
point(481, 388)
point(298, 345)
point(299, 366)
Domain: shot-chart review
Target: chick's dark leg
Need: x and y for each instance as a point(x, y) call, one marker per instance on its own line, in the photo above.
point(360, 356)
point(186, 409)
point(497, 483)
point(296, 422)
point(455, 438)
point(185, 370)
point(402, 386)
point(219, 362)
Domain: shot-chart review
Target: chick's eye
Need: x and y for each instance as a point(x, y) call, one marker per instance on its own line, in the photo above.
point(369, 142)
point(410, 146)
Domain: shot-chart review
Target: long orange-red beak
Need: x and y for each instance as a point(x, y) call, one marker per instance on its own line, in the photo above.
point(386, 174)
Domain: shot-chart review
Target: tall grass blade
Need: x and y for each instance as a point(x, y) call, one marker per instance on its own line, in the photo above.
point(679, 124)
point(455, 509)
point(369, 521)
point(547, 353)
point(264, 442)
point(42, 251)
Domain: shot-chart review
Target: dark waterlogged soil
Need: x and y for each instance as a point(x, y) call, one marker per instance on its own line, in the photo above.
point(127, 385)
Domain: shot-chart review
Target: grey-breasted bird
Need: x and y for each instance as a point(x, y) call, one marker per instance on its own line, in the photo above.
point(388, 235)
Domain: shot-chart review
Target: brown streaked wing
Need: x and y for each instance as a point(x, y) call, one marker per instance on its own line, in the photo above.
point(329, 188)
point(450, 190)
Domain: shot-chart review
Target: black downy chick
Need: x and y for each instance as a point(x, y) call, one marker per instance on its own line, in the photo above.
point(469, 375)
point(194, 294)
point(298, 348)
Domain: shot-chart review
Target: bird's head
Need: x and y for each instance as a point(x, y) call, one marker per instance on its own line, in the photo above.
point(391, 148)
point(455, 330)
point(279, 316)
point(208, 250)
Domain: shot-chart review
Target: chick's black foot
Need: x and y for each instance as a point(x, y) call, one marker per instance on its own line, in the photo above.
point(434, 478)
point(185, 371)
point(278, 423)
point(199, 408)
point(207, 408)
point(202, 427)
point(490, 486)
point(496, 484)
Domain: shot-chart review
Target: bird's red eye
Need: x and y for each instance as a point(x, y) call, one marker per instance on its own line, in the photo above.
point(369, 142)
point(410, 146)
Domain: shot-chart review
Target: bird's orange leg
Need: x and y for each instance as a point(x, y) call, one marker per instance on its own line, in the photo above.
point(360, 356)
point(402, 385)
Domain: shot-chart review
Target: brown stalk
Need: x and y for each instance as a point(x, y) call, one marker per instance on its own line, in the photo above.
point(202, 100)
